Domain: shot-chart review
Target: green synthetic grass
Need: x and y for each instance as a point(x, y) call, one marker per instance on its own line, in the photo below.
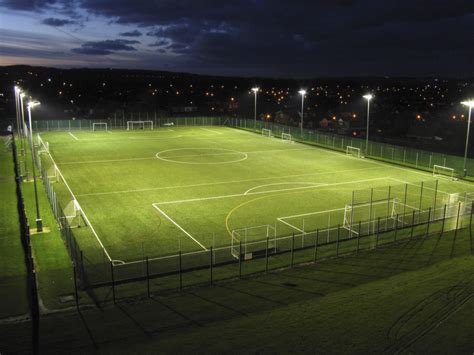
point(209, 181)
point(12, 258)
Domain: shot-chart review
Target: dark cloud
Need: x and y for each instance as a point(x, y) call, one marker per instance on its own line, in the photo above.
point(297, 38)
point(57, 22)
point(105, 47)
point(134, 33)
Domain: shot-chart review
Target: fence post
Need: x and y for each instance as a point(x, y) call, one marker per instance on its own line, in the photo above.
point(76, 296)
point(358, 237)
point(396, 228)
point(457, 221)
point(180, 271)
point(210, 264)
point(444, 220)
point(412, 224)
point(316, 245)
point(240, 259)
point(266, 257)
point(292, 249)
point(470, 225)
point(147, 278)
point(429, 220)
point(337, 240)
point(113, 280)
point(377, 234)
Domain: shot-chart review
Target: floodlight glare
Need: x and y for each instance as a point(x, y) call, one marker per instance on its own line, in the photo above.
point(32, 104)
point(368, 97)
point(469, 103)
point(302, 92)
point(255, 90)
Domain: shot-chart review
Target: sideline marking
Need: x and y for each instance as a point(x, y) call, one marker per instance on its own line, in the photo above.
point(210, 130)
point(177, 225)
point(73, 136)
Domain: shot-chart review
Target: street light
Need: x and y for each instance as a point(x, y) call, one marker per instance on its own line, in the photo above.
point(39, 222)
point(255, 91)
point(302, 92)
point(470, 104)
point(368, 97)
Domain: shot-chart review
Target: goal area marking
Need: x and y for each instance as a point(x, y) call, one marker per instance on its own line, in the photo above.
point(141, 125)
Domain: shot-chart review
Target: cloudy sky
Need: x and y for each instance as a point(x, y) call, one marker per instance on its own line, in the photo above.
point(244, 37)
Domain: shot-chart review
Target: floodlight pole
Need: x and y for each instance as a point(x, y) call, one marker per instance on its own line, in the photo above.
point(302, 93)
point(23, 149)
point(470, 104)
point(39, 222)
point(255, 91)
point(368, 98)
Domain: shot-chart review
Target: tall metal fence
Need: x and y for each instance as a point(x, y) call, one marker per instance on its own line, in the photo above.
point(32, 290)
point(410, 157)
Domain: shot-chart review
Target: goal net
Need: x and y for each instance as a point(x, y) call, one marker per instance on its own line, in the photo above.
point(353, 151)
point(99, 126)
point(443, 171)
point(134, 125)
point(287, 137)
point(248, 240)
point(266, 132)
point(73, 214)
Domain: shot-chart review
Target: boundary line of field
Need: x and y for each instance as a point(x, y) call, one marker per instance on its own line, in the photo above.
point(177, 225)
point(73, 136)
point(82, 210)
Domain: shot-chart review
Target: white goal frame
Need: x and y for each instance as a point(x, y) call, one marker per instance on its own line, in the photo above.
point(449, 172)
point(352, 150)
point(95, 124)
point(287, 137)
point(142, 125)
point(266, 132)
point(241, 246)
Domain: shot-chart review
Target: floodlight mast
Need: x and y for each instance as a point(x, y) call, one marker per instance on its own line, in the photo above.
point(39, 222)
point(368, 97)
point(302, 92)
point(255, 91)
point(470, 104)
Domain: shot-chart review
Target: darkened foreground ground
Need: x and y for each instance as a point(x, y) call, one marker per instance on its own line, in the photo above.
point(416, 296)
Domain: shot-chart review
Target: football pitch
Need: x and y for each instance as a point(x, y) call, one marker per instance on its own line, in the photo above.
point(157, 192)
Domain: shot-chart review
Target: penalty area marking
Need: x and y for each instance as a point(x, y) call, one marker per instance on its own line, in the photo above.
point(73, 136)
point(177, 225)
point(308, 185)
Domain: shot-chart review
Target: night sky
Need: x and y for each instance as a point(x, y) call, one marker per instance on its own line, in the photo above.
point(300, 39)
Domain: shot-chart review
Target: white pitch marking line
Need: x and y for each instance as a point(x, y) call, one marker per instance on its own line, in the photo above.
point(309, 184)
point(177, 225)
point(263, 192)
point(73, 136)
point(109, 132)
point(210, 130)
point(104, 161)
point(223, 182)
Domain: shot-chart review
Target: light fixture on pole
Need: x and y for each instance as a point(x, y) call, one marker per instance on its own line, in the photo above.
point(39, 222)
point(470, 104)
point(255, 91)
point(302, 92)
point(368, 97)
point(25, 131)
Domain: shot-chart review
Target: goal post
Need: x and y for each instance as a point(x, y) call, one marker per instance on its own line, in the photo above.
point(133, 125)
point(249, 240)
point(443, 171)
point(287, 137)
point(354, 151)
point(99, 126)
point(266, 132)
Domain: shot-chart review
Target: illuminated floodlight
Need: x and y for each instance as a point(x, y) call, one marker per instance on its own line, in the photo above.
point(469, 103)
point(255, 89)
point(302, 92)
point(32, 104)
point(368, 97)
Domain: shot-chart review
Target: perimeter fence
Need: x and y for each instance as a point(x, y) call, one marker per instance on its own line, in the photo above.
point(415, 158)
